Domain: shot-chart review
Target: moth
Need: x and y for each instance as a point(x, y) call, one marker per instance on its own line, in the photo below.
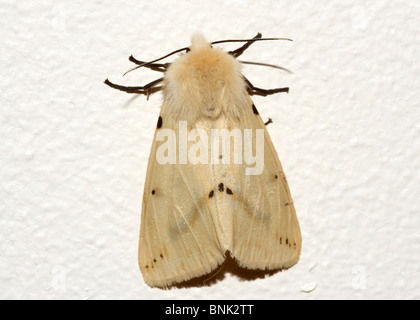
point(214, 181)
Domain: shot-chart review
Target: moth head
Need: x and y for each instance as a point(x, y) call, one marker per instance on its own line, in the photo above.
point(204, 62)
point(198, 41)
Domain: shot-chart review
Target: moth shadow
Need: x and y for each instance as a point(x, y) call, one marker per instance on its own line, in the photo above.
point(229, 266)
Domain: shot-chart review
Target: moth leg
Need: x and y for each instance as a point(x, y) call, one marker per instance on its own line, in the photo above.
point(147, 89)
point(154, 66)
point(236, 53)
point(263, 92)
point(268, 122)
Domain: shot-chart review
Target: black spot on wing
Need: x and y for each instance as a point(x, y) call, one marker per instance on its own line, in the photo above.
point(254, 109)
point(159, 123)
point(221, 187)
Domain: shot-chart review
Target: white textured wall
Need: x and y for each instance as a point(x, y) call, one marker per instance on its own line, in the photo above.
point(73, 152)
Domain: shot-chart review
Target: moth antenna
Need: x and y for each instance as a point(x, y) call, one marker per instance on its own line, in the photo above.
point(153, 66)
point(246, 40)
point(214, 42)
point(266, 65)
point(149, 62)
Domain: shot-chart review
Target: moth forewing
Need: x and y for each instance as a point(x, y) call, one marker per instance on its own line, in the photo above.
point(267, 233)
point(178, 239)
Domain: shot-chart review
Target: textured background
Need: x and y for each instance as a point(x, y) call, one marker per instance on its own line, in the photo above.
point(73, 152)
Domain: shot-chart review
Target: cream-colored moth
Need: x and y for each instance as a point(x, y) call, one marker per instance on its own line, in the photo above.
point(214, 181)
